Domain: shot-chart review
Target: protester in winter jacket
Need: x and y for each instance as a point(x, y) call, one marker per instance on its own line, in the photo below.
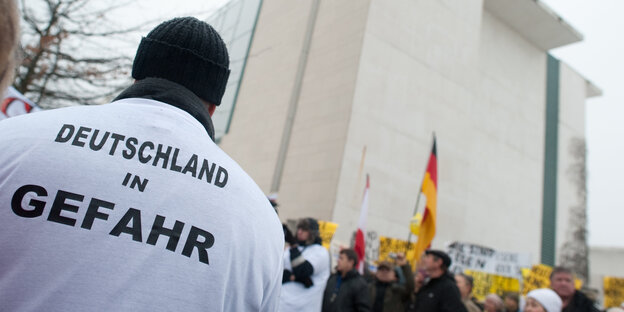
point(346, 290)
point(306, 270)
point(131, 205)
point(387, 292)
point(562, 282)
point(440, 293)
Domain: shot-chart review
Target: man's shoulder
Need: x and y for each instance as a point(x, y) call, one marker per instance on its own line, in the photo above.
point(445, 281)
point(441, 284)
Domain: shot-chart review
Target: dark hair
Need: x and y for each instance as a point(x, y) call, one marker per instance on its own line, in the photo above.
point(560, 269)
point(468, 278)
point(312, 226)
point(436, 258)
point(351, 255)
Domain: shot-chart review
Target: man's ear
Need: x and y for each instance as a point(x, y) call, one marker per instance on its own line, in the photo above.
point(211, 109)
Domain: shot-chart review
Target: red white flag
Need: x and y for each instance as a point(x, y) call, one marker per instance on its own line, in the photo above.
point(360, 243)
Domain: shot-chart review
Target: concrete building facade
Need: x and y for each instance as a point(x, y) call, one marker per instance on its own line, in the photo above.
point(335, 90)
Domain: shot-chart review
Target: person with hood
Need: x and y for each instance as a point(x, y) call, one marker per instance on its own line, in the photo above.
point(346, 290)
point(562, 282)
point(306, 270)
point(132, 205)
point(440, 292)
point(542, 300)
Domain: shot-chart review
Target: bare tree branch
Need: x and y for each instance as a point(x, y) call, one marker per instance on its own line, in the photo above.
point(69, 52)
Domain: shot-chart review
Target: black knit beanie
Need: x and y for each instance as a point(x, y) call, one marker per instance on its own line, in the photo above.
point(186, 51)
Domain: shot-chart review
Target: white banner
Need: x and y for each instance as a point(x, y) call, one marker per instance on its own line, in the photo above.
point(467, 256)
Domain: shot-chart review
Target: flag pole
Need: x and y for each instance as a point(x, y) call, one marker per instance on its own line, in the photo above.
point(409, 237)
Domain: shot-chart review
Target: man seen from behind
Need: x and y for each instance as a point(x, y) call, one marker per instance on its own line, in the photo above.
point(131, 205)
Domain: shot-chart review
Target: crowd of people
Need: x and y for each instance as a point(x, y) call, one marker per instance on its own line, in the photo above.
point(75, 196)
point(308, 285)
point(394, 287)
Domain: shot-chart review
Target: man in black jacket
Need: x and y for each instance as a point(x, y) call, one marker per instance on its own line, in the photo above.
point(440, 293)
point(562, 282)
point(346, 289)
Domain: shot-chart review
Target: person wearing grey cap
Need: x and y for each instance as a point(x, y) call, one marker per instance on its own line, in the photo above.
point(440, 292)
point(131, 205)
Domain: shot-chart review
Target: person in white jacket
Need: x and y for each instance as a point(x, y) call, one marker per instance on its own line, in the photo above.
point(131, 205)
point(306, 270)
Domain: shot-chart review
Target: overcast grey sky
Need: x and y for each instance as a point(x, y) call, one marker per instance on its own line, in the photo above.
point(599, 57)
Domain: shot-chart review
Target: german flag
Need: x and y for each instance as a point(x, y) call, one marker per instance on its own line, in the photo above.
point(429, 189)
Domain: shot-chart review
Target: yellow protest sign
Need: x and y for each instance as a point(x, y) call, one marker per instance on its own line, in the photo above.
point(389, 245)
point(613, 291)
point(327, 230)
point(485, 283)
point(525, 273)
point(538, 277)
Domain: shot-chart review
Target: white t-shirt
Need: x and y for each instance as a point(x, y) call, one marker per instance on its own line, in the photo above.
point(130, 206)
point(295, 297)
